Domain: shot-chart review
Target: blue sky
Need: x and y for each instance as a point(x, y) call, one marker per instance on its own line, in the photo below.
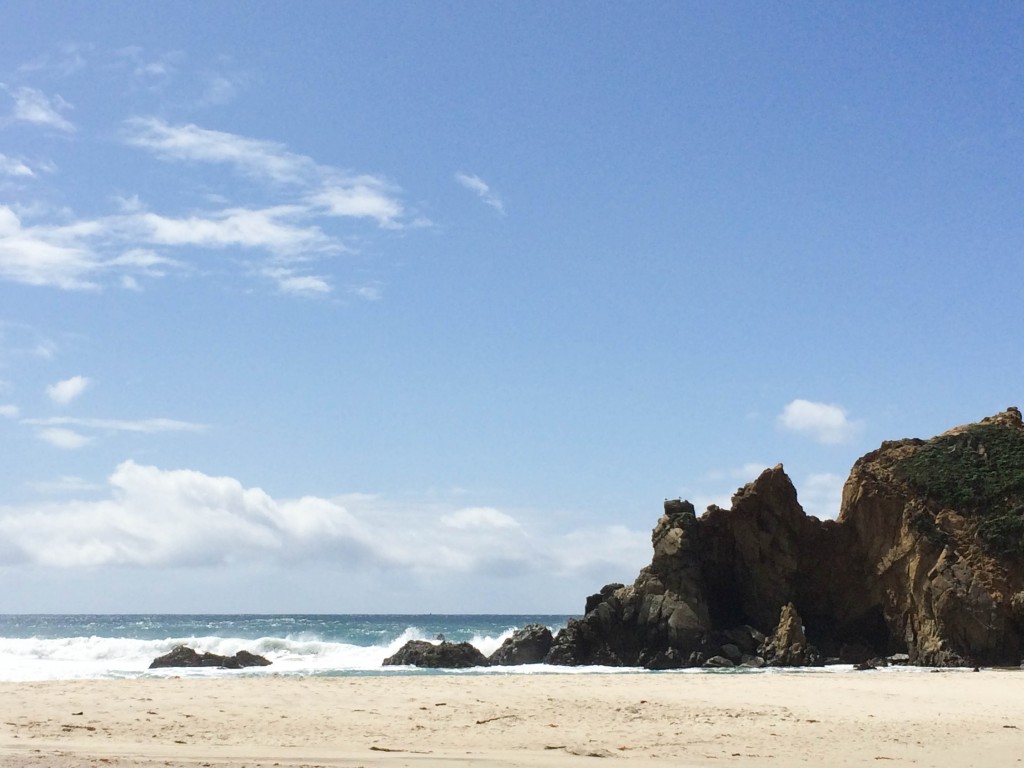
point(426, 307)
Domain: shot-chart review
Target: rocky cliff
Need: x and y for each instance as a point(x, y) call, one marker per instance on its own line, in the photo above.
point(926, 559)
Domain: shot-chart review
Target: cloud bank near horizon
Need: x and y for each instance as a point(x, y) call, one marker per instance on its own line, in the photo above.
point(155, 518)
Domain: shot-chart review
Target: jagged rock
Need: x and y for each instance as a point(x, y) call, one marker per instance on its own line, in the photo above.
point(528, 645)
point(926, 558)
point(444, 655)
point(787, 646)
point(183, 656)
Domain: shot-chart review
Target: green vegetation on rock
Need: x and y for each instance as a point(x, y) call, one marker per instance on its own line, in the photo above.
point(978, 472)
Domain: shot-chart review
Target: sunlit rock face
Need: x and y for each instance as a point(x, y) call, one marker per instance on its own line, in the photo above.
point(926, 558)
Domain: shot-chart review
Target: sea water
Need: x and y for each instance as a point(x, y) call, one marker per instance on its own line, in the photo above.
point(73, 647)
point(67, 647)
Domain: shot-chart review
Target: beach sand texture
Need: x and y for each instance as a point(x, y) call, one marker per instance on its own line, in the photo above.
point(885, 718)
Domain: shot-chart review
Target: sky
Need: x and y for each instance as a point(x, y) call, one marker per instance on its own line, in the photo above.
point(405, 307)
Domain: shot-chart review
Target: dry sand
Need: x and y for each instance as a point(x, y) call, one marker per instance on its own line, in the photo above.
point(890, 718)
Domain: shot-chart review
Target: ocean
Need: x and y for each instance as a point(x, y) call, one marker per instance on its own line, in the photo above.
point(70, 647)
point(83, 647)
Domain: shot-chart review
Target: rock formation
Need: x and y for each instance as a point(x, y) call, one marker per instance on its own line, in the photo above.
point(444, 655)
point(926, 559)
point(528, 645)
point(787, 646)
point(183, 656)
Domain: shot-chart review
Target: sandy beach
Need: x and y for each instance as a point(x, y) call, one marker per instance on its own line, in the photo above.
point(949, 718)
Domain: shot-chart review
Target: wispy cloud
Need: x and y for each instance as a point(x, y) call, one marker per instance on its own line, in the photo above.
point(219, 90)
point(368, 292)
point(9, 411)
point(295, 220)
point(301, 285)
point(325, 190)
point(475, 184)
point(267, 228)
point(63, 392)
point(254, 157)
point(33, 106)
point(10, 166)
point(57, 256)
point(66, 439)
point(62, 62)
point(823, 422)
point(120, 425)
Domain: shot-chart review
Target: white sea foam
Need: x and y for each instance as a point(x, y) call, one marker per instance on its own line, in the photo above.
point(97, 657)
point(24, 659)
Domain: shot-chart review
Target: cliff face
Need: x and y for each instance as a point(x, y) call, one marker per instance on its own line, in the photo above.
point(926, 558)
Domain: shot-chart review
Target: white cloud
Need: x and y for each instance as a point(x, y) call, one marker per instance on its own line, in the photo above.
point(611, 549)
point(240, 227)
point(478, 517)
point(299, 285)
point(482, 189)
point(63, 392)
point(370, 292)
point(9, 411)
point(822, 422)
point(154, 518)
point(821, 495)
point(87, 253)
point(145, 261)
point(32, 106)
point(10, 166)
point(55, 256)
point(360, 197)
point(148, 426)
point(67, 439)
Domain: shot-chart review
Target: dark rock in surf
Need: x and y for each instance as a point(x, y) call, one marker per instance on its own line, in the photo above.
point(528, 645)
point(444, 655)
point(183, 656)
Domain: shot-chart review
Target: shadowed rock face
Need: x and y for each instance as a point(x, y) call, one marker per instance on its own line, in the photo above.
point(926, 558)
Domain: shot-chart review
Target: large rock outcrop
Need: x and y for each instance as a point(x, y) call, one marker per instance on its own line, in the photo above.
point(926, 558)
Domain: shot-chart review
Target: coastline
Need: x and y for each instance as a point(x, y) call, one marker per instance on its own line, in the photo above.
point(949, 718)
